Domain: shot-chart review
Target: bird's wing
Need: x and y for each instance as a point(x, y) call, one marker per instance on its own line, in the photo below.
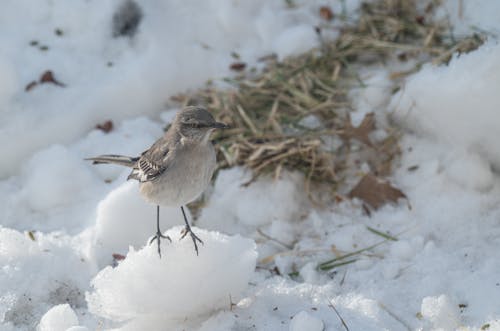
point(152, 162)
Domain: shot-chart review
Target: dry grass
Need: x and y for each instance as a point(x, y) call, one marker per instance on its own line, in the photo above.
point(267, 109)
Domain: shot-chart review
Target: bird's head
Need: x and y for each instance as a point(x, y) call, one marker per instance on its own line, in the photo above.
point(195, 123)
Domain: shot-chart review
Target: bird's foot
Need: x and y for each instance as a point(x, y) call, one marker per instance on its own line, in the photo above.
point(158, 237)
point(194, 237)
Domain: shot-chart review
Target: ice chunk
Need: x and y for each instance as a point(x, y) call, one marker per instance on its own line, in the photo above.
point(441, 312)
point(58, 318)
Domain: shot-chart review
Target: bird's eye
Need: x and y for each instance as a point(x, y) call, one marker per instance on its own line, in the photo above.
point(194, 125)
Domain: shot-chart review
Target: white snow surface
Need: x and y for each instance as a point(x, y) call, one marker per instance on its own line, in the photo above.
point(66, 225)
point(58, 318)
point(180, 284)
point(304, 321)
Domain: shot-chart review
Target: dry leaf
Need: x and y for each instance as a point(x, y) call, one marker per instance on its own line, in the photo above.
point(375, 192)
point(118, 257)
point(48, 77)
point(326, 13)
point(106, 127)
point(30, 86)
point(238, 66)
point(420, 19)
point(360, 133)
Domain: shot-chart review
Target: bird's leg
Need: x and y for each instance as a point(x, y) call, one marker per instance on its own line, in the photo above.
point(158, 234)
point(187, 230)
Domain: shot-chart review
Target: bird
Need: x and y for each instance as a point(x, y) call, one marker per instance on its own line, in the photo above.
point(177, 168)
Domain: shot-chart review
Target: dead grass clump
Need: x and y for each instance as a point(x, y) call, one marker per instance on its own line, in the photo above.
point(295, 113)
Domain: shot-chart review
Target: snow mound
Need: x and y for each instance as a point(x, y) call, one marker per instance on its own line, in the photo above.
point(232, 205)
point(54, 177)
point(178, 285)
point(463, 110)
point(460, 166)
point(124, 219)
point(58, 318)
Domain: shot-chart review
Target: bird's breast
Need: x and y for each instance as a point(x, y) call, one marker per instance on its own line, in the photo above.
point(185, 179)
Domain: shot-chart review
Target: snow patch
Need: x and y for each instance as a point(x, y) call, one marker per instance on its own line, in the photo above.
point(37, 274)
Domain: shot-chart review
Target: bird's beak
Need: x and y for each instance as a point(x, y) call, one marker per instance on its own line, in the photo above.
point(219, 125)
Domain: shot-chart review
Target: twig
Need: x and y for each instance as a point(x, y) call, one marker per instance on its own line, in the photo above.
point(381, 305)
point(274, 239)
point(340, 317)
point(247, 120)
point(382, 234)
point(231, 303)
point(324, 265)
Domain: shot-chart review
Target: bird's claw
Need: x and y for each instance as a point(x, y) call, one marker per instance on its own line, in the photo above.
point(194, 237)
point(158, 237)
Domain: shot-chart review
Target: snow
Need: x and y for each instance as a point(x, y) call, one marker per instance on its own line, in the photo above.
point(63, 219)
point(58, 318)
point(35, 276)
point(179, 285)
point(121, 219)
point(42, 188)
point(177, 47)
point(228, 214)
point(472, 15)
point(304, 321)
point(460, 112)
point(441, 312)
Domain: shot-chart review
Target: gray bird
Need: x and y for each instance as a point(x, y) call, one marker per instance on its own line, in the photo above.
point(177, 168)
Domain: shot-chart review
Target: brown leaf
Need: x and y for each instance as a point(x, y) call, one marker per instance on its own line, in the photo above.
point(48, 77)
point(360, 133)
point(106, 127)
point(238, 66)
point(30, 86)
point(118, 257)
point(326, 13)
point(376, 192)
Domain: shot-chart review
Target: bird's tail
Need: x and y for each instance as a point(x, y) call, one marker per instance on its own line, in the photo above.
point(126, 161)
